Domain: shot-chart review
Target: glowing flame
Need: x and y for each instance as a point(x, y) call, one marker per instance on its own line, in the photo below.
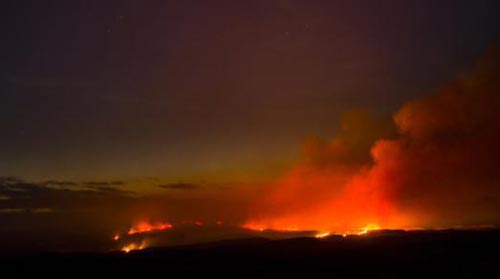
point(364, 230)
point(134, 246)
point(252, 226)
point(259, 227)
point(198, 223)
point(369, 227)
point(144, 227)
point(116, 237)
point(322, 235)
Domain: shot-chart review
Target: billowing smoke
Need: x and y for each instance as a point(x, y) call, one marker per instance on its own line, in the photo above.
point(436, 164)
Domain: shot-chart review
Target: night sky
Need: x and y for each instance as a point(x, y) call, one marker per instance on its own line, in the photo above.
point(162, 97)
point(219, 90)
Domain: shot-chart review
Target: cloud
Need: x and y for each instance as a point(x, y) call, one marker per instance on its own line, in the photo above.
point(9, 179)
point(108, 189)
point(42, 210)
point(104, 183)
point(60, 183)
point(360, 128)
point(96, 184)
point(34, 196)
point(439, 169)
point(26, 210)
point(180, 186)
point(11, 210)
point(305, 196)
point(443, 167)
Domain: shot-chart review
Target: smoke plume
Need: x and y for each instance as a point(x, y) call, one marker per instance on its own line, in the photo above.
point(435, 164)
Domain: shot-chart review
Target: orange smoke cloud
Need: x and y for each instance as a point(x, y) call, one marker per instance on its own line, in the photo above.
point(444, 165)
point(439, 169)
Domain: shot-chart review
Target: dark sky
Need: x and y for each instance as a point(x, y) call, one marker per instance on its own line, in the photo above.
point(213, 91)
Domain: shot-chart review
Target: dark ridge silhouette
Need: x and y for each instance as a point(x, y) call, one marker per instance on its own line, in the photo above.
point(382, 254)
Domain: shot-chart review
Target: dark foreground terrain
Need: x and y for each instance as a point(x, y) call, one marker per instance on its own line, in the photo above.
point(383, 254)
